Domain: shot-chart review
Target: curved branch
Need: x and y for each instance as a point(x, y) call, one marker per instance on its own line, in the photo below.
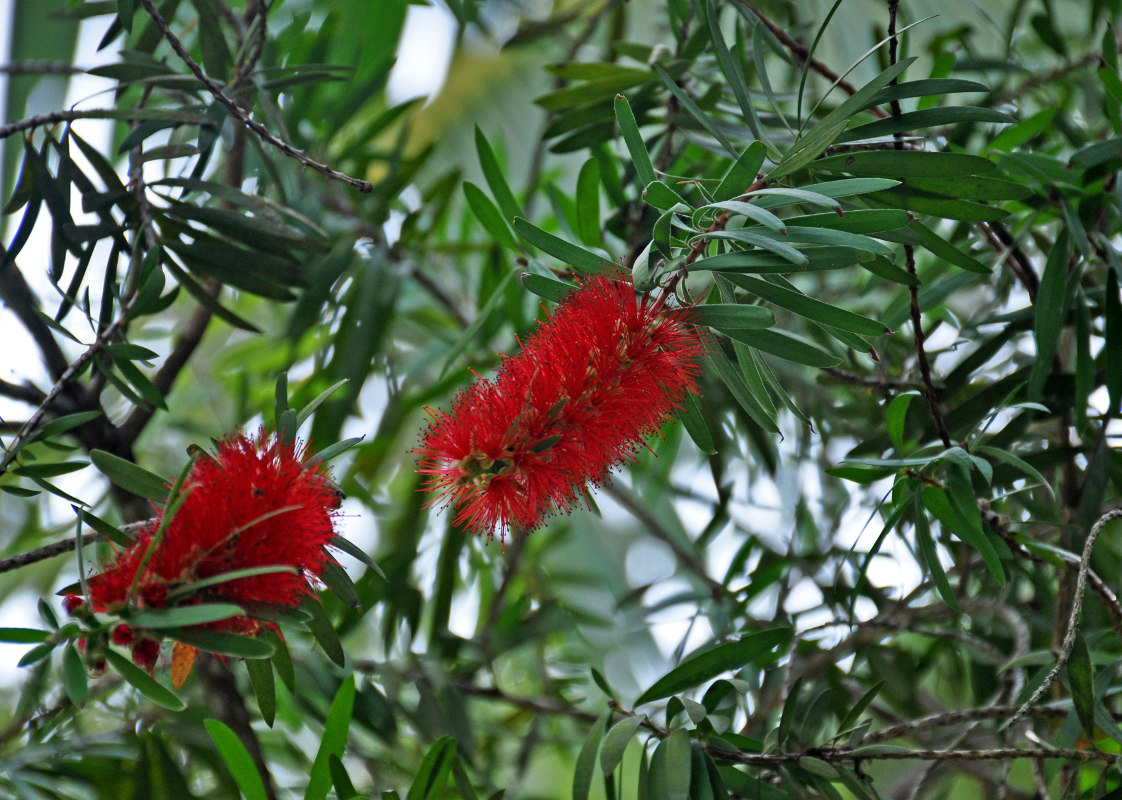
point(1073, 619)
point(241, 115)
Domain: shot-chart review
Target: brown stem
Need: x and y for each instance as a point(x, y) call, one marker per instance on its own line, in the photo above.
point(910, 263)
point(242, 116)
point(46, 551)
point(802, 53)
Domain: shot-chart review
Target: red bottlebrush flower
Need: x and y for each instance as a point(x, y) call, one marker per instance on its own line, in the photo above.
point(255, 503)
point(604, 371)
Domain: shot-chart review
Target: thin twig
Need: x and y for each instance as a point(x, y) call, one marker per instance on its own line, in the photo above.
point(535, 704)
point(46, 551)
point(40, 68)
point(802, 53)
point(68, 115)
point(1073, 619)
point(910, 263)
point(949, 718)
point(242, 115)
point(835, 755)
point(71, 372)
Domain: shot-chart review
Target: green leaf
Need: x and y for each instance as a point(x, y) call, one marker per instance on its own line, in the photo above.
point(896, 416)
point(130, 477)
point(196, 587)
point(930, 555)
point(787, 196)
point(143, 683)
point(74, 676)
point(334, 741)
point(828, 125)
point(356, 552)
point(548, 288)
point(490, 308)
point(323, 630)
point(616, 741)
point(1013, 137)
point(854, 714)
point(662, 197)
point(939, 503)
point(49, 470)
point(1081, 680)
point(734, 316)
point(264, 688)
point(489, 215)
point(678, 765)
point(23, 635)
point(37, 653)
point(795, 257)
point(110, 532)
point(588, 203)
point(926, 118)
point(691, 106)
point(804, 154)
point(184, 616)
point(432, 775)
point(494, 177)
point(906, 164)
point(1049, 317)
point(586, 759)
point(817, 258)
point(640, 158)
point(749, 210)
point(740, 392)
point(344, 788)
point(341, 584)
point(926, 87)
point(566, 252)
point(711, 663)
point(237, 760)
point(808, 307)
point(742, 173)
point(945, 250)
point(225, 644)
point(57, 427)
point(785, 346)
point(695, 425)
point(328, 453)
point(734, 74)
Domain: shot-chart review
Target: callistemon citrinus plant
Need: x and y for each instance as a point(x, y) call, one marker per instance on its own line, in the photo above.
point(604, 371)
point(257, 503)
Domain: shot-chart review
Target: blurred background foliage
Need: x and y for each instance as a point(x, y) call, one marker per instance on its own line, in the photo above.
point(818, 566)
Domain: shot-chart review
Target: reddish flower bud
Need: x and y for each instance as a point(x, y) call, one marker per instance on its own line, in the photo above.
point(98, 667)
point(145, 652)
point(605, 371)
point(80, 645)
point(123, 635)
point(72, 603)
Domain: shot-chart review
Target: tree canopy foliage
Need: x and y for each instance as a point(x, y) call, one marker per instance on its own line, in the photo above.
point(873, 555)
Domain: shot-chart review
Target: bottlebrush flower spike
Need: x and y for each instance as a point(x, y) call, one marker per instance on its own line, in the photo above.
point(604, 371)
point(255, 503)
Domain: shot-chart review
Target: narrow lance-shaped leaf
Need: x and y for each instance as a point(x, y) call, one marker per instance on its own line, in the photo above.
point(711, 663)
point(237, 760)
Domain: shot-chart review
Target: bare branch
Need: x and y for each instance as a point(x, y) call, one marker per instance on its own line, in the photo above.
point(242, 115)
point(1073, 619)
